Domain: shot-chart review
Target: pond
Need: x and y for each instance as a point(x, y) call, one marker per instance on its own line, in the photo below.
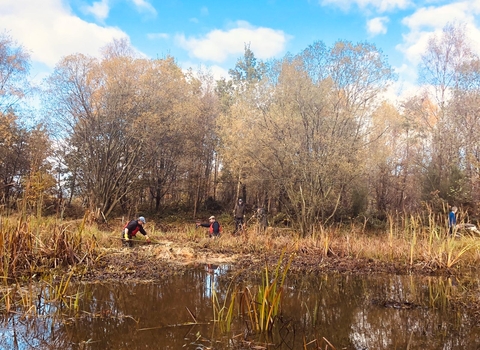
point(316, 312)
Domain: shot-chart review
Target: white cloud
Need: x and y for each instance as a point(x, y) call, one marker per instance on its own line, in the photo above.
point(414, 45)
point(379, 5)
point(154, 36)
point(49, 31)
point(377, 25)
point(144, 6)
point(219, 45)
point(216, 71)
point(428, 21)
point(437, 17)
point(99, 10)
point(219, 72)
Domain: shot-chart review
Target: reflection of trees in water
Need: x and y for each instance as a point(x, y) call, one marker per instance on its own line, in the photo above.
point(159, 308)
point(354, 312)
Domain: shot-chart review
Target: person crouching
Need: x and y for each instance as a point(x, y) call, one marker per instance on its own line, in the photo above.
point(131, 229)
point(214, 228)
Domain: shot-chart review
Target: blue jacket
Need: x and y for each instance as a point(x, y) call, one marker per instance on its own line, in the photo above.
point(452, 219)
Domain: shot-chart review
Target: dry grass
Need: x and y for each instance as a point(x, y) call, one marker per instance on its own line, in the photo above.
point(29, 246)
point(408, 242)
point(39, 247)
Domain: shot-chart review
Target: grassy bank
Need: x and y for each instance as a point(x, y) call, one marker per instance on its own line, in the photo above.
point(54, 253)
point(31, 246)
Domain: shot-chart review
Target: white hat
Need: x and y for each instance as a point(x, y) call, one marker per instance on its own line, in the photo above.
point(211, 218)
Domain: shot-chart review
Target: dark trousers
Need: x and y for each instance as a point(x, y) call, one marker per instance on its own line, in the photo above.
point(450, 230)
point(238, 224)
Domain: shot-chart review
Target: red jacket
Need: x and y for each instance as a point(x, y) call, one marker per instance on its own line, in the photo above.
point(214, 228)
point(133, 227)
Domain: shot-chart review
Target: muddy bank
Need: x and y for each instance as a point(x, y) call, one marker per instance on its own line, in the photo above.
point(144, 263)
point(157, 261)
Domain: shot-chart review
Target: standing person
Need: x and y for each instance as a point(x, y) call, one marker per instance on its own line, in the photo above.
point(452, 220)
point(239, 214)
point(131, 229)
point(214, 228)
point(261, 216)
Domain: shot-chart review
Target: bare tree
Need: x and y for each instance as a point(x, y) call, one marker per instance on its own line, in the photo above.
point(306, 127)
point(444, 67)
point(95, 107)
point(14, 70)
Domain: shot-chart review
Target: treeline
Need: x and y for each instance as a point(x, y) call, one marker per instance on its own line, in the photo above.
point(310, 137)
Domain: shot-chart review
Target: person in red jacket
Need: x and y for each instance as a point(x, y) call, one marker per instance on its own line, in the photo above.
point(214, 228)
point(131, 229)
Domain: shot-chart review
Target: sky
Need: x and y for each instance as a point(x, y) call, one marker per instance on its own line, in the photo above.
point(212, 34)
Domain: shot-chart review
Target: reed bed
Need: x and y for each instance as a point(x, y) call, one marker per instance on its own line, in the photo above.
point(35, 251)
point(411, 243)
point(32, 247)
point(29, 246)
point(258, 305)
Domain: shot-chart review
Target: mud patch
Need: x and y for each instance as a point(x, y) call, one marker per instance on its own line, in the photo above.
point(152, 262)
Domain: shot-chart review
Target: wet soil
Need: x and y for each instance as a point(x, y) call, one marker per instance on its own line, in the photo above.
point(165, 258)
point(155, 262)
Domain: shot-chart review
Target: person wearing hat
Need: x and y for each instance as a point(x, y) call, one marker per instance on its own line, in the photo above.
point(239, 214)
point(131, 229)
point(214, 228)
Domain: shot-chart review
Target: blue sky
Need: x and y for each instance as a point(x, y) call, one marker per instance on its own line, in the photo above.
point(212, 33)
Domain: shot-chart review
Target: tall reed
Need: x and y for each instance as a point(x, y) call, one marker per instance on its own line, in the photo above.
point(31, 246)
point(258, 308)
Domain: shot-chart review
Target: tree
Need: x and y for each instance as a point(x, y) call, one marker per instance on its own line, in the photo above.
point(14, 70)
point(96, 110)
point(23, 152)
point(239, 99)
point(447, 66)
point(441, 63)
point(247, 70)
point(306, 127)
point(395, 157)
point(131, 128)
point(177, 124)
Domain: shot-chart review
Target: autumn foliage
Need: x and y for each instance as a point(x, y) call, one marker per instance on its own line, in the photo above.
point(311, 137)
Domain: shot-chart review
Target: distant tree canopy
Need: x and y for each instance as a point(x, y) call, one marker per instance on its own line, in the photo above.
point(132, 129)
point(24, 171)
point(14, 69)
point(311, 136)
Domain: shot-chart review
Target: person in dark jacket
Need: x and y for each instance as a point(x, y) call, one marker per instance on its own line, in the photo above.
point(239, 215)
point(214, 228)
point(132, 228)
point(261, 216)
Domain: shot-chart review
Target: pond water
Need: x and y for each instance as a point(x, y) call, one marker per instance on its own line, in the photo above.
point(316, 312)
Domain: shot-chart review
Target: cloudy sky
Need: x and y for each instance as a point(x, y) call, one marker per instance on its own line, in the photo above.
point(213, 33)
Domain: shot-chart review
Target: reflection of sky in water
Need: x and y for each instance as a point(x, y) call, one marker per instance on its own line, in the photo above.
point(211, 277)
point(352, 312)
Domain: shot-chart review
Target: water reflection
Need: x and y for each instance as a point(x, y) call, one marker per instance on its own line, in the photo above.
point(211, 278)
point(350, 312)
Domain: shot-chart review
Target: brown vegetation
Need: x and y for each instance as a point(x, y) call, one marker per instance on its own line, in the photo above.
point(59, 253)
point(350, 182)
point(309, 137)
point(31, 247)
